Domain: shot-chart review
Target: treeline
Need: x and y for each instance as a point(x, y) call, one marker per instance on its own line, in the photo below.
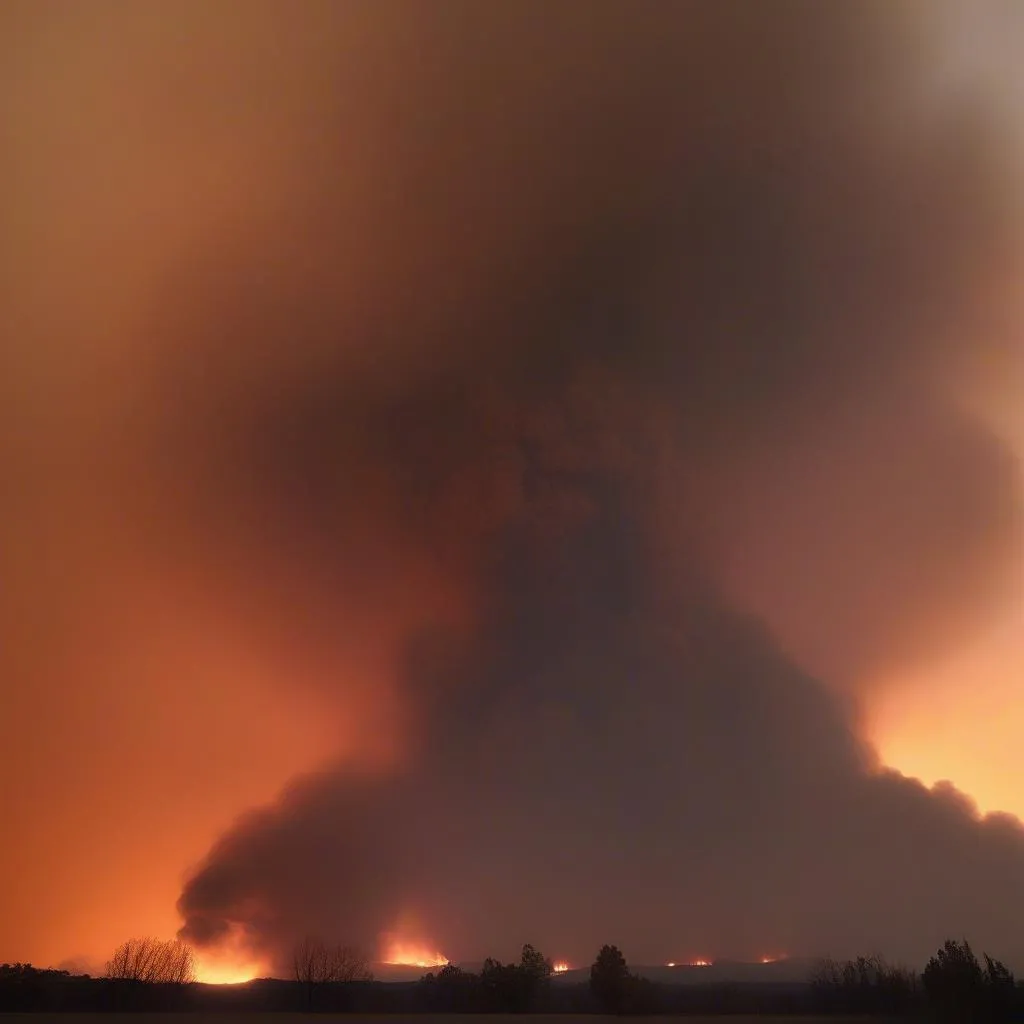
point(147, 975)
point(498, 988)
point(955, 986)
point(526, 987)
point(333, 979)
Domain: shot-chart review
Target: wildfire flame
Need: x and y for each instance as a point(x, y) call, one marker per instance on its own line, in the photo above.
point(413, 954)
point(560, 967)
point(212, 969)
point(232, 962)
point(700, 963)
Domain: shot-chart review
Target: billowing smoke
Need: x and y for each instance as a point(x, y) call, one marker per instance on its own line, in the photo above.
point(674, 299)
point(576, 388)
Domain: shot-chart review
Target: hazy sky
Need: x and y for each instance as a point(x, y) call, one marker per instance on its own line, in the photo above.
point(464, 458)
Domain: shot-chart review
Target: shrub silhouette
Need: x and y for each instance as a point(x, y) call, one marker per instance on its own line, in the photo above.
point(868, 984)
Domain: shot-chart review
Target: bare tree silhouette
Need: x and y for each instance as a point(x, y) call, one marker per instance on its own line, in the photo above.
point(317, 963)
point(153, 961)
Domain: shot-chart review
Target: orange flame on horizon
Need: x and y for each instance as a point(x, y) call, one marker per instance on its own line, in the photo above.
point(232, 961)
point(560, 967)
point(226, 969)
point(413, 954)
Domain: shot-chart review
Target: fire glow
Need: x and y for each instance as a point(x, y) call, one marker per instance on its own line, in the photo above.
point(413, 954)
point(232, 963)
point(215, 970)
point(560, 967)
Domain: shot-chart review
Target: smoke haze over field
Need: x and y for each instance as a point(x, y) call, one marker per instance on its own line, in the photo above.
point(524, 434)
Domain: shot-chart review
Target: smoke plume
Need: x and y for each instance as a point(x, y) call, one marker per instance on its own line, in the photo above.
point(571, 393)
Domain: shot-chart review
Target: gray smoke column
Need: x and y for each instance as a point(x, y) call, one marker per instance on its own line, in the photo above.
point(589, 370)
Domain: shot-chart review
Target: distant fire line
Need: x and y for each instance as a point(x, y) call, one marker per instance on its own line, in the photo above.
point(413, 954)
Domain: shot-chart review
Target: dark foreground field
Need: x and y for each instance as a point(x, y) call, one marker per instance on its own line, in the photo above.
point(385, 1018)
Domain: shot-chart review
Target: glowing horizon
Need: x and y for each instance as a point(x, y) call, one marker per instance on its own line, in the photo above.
point(226, 968)
point(406, 953)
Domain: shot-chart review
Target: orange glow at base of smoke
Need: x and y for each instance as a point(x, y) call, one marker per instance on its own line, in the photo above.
point(212, 969)
point(560, 967)
point(413, 954)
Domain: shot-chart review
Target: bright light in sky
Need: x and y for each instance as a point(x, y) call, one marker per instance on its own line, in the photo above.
point(961, 720)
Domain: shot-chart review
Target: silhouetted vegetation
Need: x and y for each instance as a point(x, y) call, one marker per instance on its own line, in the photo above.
point(865, 985)
point(499, 988)
point(451, 990)
point(610, 980)
point(27, 988)
point(960, 989)
point(955, 986)
point(316, 964)
point(153, 961)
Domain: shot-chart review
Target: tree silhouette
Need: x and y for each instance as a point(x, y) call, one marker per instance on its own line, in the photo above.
point(515, 988)
point(536, 970)
point(1001, 989)
point(955, 982)
point(535, 964)
point(315, 963)
point(504, 987)
point(610, 980)
point(451, 990)
point(153, 961)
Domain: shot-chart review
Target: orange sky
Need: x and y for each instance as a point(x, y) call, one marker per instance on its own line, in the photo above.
point(962, 720)
point(107, 829)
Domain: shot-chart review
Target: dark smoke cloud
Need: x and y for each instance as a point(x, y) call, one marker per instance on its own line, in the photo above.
point(575, 386)
point(686, 791)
